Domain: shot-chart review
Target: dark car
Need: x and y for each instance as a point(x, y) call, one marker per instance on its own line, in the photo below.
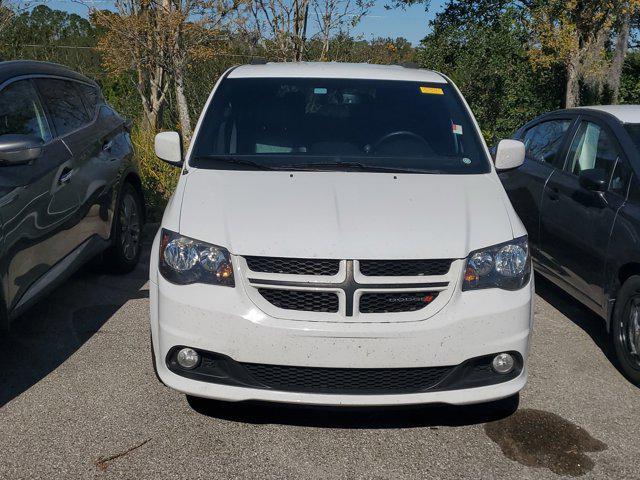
point(578, 194)
point(69, 187)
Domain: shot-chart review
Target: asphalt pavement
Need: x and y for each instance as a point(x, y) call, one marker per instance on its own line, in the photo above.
point(78, 399)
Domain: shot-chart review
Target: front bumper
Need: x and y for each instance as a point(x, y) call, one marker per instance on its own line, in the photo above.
point(224, 320)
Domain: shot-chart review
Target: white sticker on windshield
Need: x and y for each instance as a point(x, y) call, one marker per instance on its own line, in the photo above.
point(466, 161)
point(457, 129)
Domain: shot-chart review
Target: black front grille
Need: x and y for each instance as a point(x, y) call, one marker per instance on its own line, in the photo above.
point(404, 268)
point(293, 266)
point(346, 380)
point(221, 369)
point(307, 301)
point(395, 302)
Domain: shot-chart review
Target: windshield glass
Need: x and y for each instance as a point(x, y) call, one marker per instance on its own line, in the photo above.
point(336, 124)
point(633, 129)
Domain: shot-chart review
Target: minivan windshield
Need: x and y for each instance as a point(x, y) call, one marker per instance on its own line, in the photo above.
point(338, 124)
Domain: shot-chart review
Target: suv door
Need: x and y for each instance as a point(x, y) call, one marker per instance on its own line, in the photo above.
point(576, 222)
point(524, 185)
point(109, 149)
point(75, 126)
point(33, 202)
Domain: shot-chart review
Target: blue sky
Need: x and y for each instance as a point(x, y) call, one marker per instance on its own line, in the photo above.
point(411, 23)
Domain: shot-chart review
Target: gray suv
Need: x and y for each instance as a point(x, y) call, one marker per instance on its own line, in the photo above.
point(69, 186)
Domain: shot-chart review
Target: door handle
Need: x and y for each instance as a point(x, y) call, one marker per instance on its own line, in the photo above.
point(65, 176)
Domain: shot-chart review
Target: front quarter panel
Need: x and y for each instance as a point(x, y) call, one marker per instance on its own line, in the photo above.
point(623, 252)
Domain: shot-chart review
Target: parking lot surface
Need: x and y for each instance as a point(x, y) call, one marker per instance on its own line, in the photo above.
point(78, 399)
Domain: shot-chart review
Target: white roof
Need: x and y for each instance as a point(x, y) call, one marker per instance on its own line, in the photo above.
point(337, 70)
point(624, 113)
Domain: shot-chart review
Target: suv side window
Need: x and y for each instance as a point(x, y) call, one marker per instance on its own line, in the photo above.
point(91, 97)
point(592, 147)
point(62, 99)
point(21, 112)
point(543, 141)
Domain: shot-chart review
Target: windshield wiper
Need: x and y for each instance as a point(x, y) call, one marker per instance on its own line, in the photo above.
point(231, 160)
point(243, 162)
point(353, 165)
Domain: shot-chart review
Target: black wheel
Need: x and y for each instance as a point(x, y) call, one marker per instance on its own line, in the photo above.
point(625, 330)
point(124, 253)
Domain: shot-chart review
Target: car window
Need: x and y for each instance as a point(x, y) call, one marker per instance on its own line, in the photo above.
point(91, 97)
point(21, 112)
point(62, 99)
point(620, 178)
point(543, 141)
point(592, 147)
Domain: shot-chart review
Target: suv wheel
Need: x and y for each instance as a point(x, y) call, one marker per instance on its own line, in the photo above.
point(124, 253)
point(625, 330)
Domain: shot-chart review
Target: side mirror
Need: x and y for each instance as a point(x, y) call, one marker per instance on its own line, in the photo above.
point(168, 147)
point(18, 149)
point(594, 179)
point(509, 154)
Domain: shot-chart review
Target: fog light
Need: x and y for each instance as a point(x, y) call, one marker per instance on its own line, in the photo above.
point(503, 363)
point(188, 358)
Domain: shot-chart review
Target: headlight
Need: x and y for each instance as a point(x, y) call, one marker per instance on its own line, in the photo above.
point(506, 266)
point(184, 260)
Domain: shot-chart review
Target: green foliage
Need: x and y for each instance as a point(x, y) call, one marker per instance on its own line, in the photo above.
point(630, 84)
point(159, 179)
point(486, 57)
point(52, 36)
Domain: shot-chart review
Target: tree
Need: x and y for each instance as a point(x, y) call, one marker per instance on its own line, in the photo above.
point(482, 46)
point(6, 15)
point(574, 34)
point(623, 33)
point(136, 37)
point(51, 35)
point(335, 17)
point(281, 25)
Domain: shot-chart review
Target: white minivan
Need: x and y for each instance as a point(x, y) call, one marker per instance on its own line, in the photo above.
point(339, 236)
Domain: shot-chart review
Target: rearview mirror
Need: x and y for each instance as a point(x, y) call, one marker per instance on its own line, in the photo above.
point(594, 179)
point(509, 154)
point(17, 149)
point(168, 147)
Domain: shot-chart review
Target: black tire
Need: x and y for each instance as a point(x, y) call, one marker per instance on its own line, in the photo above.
point(625, 329)
point(124, 253)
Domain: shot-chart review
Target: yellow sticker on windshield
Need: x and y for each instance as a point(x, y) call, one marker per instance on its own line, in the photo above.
point(432, 90)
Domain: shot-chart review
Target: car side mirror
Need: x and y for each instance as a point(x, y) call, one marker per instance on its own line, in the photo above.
point(18, 149)
point(168, 147)
point(594, 179)
point(509, 154)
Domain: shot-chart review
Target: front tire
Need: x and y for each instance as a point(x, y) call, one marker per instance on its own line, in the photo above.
point(124, 253)
point(625, 331)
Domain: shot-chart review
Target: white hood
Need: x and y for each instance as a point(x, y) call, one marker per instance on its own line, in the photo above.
point(346, 215)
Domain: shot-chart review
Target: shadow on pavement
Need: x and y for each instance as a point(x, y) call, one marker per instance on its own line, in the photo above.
point(49, 333)
point(571, 308)
point(261, 413)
